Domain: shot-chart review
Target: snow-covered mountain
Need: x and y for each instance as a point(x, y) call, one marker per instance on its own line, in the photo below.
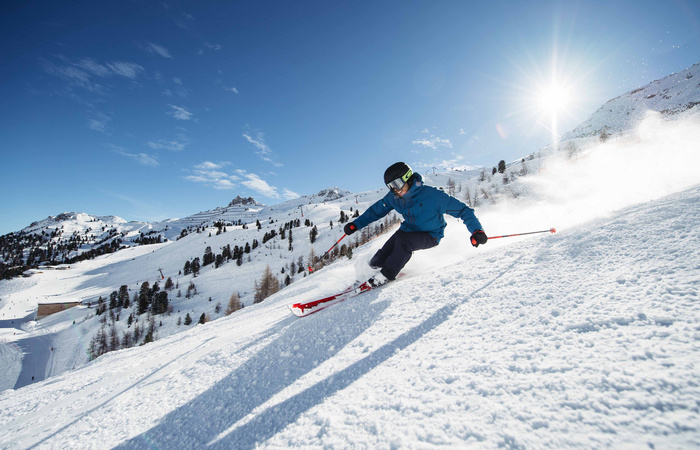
point(66, 236)
point(582, 338)
point(673, 96)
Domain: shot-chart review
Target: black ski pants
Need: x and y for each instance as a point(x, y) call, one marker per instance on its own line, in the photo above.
point(398, 250)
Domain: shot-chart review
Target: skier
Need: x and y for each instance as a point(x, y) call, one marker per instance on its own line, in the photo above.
point(422, 208)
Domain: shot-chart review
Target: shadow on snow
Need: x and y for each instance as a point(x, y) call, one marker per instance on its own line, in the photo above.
point(210, 419)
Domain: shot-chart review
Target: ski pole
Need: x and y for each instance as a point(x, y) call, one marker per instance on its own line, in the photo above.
point(327, 252)
point(551, 230)
point(333, 246)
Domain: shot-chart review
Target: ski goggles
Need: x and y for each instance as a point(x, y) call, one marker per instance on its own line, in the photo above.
point(399, 183)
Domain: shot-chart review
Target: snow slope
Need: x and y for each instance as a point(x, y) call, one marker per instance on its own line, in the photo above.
point(585, 338)
point(675, 95)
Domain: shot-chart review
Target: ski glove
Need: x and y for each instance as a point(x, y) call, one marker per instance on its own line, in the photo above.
point(479, 237)
point(350, 228)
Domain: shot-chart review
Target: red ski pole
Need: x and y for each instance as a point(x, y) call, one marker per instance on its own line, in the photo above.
point(551, 230)
point(311, 266)
point(333, 246)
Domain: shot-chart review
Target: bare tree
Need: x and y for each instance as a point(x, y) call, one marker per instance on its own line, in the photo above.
point(234, 303)
point(268, 285)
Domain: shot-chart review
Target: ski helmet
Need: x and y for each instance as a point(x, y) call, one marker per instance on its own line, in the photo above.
point(397, 175)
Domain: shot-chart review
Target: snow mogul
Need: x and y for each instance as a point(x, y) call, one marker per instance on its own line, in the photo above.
point(423, 209)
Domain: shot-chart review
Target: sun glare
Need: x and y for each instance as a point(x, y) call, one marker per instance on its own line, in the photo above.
point(554, 99)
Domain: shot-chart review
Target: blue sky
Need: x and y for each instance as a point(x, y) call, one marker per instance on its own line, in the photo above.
point(154, 110)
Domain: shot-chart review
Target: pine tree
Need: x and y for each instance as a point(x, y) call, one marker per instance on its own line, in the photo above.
point(160, 303)
point(123, 299)
point(143, 299)
point(188, 319)
point(208, 257)
point(203, 319)
point(501, 166)
point(195, 267)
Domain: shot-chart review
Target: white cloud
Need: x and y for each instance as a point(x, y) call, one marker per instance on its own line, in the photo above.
point(126, 69)
point(142, 158)
point(434, 142)
point(264, 150)
point(99, 122)
point(171, 145)
point(259, 142)
point(96, 68)
point(73, 75)
point(157, 49)
point(208, 165)
point(84, 73)
point(210, 174)
point(233, 89)
point(180, 113)
point(260, 186)
point(289, 194)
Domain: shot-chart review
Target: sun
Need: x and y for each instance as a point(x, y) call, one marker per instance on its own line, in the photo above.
point(554, 99)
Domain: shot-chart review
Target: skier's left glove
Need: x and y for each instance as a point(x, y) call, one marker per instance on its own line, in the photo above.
point(350, 228)
point(479, 237)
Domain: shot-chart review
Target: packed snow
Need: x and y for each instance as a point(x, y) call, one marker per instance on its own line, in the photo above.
point(583, 338)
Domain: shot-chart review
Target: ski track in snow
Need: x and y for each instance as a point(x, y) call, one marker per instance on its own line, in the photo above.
point(587, 338)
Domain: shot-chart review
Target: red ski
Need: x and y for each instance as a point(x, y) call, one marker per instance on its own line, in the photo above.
point(308, 308)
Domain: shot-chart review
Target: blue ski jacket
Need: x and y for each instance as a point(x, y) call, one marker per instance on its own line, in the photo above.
point(423, 209)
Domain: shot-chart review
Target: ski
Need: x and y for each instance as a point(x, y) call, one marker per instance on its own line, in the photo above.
point(308, 308)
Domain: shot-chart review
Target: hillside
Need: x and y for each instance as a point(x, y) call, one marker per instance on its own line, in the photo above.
point(674, 96)
point(583, 338)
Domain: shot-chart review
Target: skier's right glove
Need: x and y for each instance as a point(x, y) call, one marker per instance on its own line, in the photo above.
point(350, 228)
point(479, 237)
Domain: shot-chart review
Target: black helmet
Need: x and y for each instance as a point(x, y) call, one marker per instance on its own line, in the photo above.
point(397, 175)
